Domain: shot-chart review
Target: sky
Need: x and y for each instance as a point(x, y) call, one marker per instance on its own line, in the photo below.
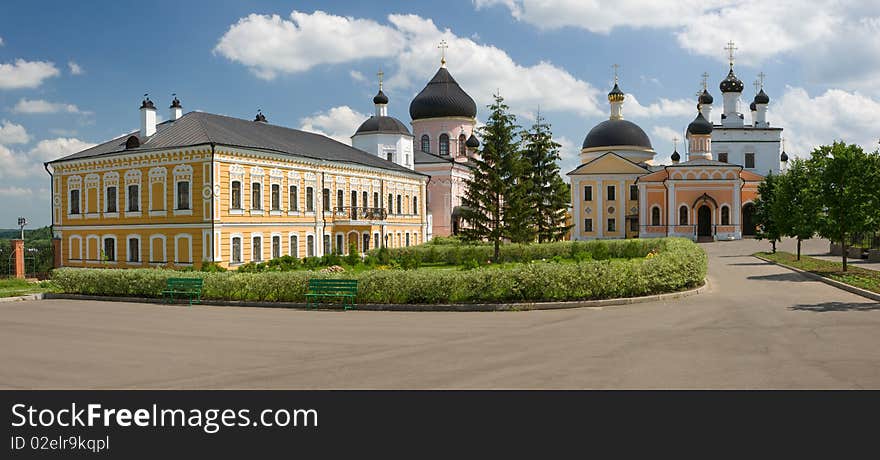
point(72, 74)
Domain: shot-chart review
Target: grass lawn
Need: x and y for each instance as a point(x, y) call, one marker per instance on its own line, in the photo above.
point(12, 287)
point(854, 276)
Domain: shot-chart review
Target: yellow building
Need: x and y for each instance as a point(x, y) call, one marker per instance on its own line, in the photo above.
point(204, 187)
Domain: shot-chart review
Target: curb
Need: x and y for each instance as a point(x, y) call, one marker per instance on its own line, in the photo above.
point(525, 306)
point(20, 298)
point(846, 287)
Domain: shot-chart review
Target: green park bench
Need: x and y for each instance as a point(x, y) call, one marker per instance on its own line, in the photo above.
point(320, 289)
point(183, 287)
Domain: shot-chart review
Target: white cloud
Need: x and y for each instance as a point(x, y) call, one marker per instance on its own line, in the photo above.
point(66, 132)
point(26, 74)
point(269, 44)
point(662, 108)
point(11, 133)
point(15, 192)
point(357, 76)
point(569, 154)
point(40, 106)
point(338, 123)
point(661, 139)
point(833, 115)
point(75, 69)
point(1, 41)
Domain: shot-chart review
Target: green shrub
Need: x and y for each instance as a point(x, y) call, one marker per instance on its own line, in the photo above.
point(311, 263)
point(212, 267)
point(679, 264)
point(353, 258)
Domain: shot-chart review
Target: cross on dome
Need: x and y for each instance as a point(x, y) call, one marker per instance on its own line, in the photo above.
point(730, 51)
point(616, 68)
point(761, 78)
point(705, 81)
point(380, 74)
point(442, 46)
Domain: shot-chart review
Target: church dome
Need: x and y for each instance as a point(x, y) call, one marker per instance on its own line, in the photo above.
point(700, 125)
point(762, 97)
point(753, 107)
point(706, 98)
point(384, 125)
point(676, 157)
point(731, 84)
point(442, 97)
point(784, 157)
point(472, 142)
point(617, 132)
point(380, 98)
point(616, 95)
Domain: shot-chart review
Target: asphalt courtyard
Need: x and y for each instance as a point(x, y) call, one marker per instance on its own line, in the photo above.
point(757, 326)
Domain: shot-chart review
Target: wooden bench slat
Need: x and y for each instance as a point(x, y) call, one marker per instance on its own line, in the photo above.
point(344, 289)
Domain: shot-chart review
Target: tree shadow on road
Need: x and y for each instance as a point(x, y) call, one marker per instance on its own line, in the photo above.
point(750, 264)
point(836, 306)
point(790, 276)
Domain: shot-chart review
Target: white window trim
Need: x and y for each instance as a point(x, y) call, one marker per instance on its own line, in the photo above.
point(128, 250)
point(115, 248)
point(74, 183)
point(272, 237)
point(137, 213)
point(157, 174)
point(262, 247)
point(183, 212)
point(70, 250)
point(153, 259)
point(293, 250)
point(232, 261)
point(97, 244)
point(650, 216)
point(314, 245)
point(178, 237)
point(92, 181)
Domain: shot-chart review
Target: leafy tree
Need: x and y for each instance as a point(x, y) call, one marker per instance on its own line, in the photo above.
point(484, 205)
point(796, 203)
point(847, 182)
point(550, 195)
point(767, 227)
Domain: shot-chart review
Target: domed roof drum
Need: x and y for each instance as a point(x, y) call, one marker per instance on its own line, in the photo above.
point(753, 107)
point(472, 142)
point(617, 132)
point(762, 97)
point(784, 157)
point(731, 84)
point(616, 95)
point(385, 125)
point(380, 98)
point(442, 97)
point(706, 98)
point(676, 156)
point(700, 125)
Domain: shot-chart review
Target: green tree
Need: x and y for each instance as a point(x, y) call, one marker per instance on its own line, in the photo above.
point(796, 203)
point(550, 195)
point(846, 181)
point(767, 227)
point(484, 204)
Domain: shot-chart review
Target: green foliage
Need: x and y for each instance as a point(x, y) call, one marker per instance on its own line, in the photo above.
point(383, 255)
point(680, 264)
point(353, 258)
point(410, 260)
point(550, 196)
point(796, 207)
point(211, 267)
point(767, 227)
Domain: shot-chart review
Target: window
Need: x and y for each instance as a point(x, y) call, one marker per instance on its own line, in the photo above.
point(257, 249)
point(340, 200)
point(655, 216)
point(293, 198)
point(134, 253)
point(634, 192)
point(236, 195)
point(722, 157)
point(310, 245)
point(366, 243)
point(389, 156)
point(294, 245)
point(326, 197)
point(109, 249)
point(633, 225)
point(375, 240)
point(612, 225)
point(588, 225)
point(256, 196)
point(407, 239)
point(111, 199)
point(426, 143)
point(327, 249)
point(725, 215)
point(750, 160)
point(183, 195)
point(354, 199)
point(276, 247)
point(611, 190)
point(339, 245)
point(364, 195)
point(276, 197)
point(310, 199)
point(444, 144)
point(390, 204)
point(236, 250)
point(375, 199)
point(415, 205)
point(588, 193)
point(399, 205)
point(133, 199)
point(683, 215)
point(74, 201)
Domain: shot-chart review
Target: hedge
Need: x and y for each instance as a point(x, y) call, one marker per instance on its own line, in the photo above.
point(681, 264)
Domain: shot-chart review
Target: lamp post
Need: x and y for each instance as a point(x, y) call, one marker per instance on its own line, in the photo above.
point(21, 224)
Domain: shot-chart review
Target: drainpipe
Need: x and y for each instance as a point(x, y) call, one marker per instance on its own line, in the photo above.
point(213, 243)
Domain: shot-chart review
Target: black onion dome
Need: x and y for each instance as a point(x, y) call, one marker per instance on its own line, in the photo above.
point(784, 157)
point(676, 156)
point(380, 98)
point(384, 125)
point(147, 104)
point(472, 142)
point(617, 132)
point(260, 117)
point(442, 97)
point(700, 125)
point(175, 104)
point(753, 107)
point(731, 84)
point(762, 97)
point(706, 98)
point(616, 94)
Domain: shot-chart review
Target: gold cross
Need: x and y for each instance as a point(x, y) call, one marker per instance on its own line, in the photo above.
point(705, 80)
point(757, 86)
point(616, 67)
point(674, 144)
point(730, 49)
point(443, 45)
point(761, 77)
point(380, 74)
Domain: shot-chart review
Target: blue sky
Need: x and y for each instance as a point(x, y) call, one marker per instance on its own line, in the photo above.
point(312, 65)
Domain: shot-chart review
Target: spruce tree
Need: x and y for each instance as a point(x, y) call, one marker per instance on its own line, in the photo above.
point(550, 194)
point(484, 205)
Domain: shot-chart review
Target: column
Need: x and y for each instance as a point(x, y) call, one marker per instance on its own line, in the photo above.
point(643, 216)
point(18, 251)
point(600, 202)
point(622, 196)
point(670, 209)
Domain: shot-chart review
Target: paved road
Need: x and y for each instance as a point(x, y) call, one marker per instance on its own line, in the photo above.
point(758, 326)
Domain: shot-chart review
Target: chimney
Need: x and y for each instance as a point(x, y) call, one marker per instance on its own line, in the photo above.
point(148, 118)
point(176, 108)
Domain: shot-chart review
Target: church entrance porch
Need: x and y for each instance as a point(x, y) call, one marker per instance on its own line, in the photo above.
point(704, 224)
point(748, 220)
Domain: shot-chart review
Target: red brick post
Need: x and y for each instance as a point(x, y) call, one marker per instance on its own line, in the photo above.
point(56, 252)
point(18, 250)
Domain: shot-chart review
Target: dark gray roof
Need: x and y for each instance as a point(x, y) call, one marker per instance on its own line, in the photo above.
point(616, 132)
point(389, 125)
point(420, 157)
point(731, 84)
point(700, 125)
point(200, 128)
point(442, 97)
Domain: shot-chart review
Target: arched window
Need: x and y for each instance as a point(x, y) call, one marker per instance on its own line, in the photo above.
point(725, 215)
point(683, 215)
point(236, 195)
point(256, 198)
point(444, 144)
point(415, 205)
point(462, 145)
point(655, 216)
point(426, 143)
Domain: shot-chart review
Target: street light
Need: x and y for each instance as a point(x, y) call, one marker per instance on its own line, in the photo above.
point(21, 223)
